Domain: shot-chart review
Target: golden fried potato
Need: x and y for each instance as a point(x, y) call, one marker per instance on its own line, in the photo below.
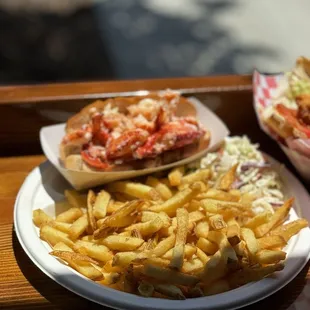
point(40, 217)
point(278, 217)
point(175, 176)
point(180, 239)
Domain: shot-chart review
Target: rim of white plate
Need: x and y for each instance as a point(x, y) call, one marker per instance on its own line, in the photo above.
point(298, 256)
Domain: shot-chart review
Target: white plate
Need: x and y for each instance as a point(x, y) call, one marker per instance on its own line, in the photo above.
point(50, 138)
point(44, 185)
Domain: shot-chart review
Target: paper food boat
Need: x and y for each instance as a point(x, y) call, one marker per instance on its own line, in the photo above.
point(51, 136)
point(265, 87)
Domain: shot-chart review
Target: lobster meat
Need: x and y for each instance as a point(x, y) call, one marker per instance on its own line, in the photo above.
point(143, 131)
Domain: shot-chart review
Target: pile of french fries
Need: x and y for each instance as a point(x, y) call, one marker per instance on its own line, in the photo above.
point(173, 237)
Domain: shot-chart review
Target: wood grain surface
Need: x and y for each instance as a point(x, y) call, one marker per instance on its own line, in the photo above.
point(24, 110)
point(39, 93)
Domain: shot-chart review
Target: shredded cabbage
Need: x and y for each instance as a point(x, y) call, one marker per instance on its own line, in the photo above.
point(257, 179)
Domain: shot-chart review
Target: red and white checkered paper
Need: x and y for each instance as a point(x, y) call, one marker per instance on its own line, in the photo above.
point(265, 87)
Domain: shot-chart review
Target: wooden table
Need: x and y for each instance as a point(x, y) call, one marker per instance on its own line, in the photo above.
point(22, 284)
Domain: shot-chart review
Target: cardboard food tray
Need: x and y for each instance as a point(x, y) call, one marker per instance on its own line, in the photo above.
point(265, 87)
point(50, 138)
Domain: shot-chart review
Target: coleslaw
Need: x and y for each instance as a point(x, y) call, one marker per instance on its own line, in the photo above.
point(255, 176)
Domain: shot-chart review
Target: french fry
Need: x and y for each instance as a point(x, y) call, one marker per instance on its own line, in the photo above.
point(271, 242)
point(110, 278)
point(202, 256)
point(178, 200)
point(89, 238)
point(75, 199)
point(122, 222)
point(241, 249)
point(233, 234)
point(101, 204)
point(163, 190)
point(91, 198)
point(228, 179)
point(276, 218)
point(217, 206)
point(137, 190)
point(166, 232)
point(146, 289)
point(71, 256)
point(175, 277)
point(164, 246)
point(215, 268)
point(202, 229)
point(180, 239)
point(149, 216)
point(217, 222)
point(207, 246)
point(195, 291)
point(69, 216)
point(217, 287)
point(122, 243)
point(113, 206)
point(108, 267)
point(122, 197)
point(117, 218)
point(192, 266)
point(84, 268)
point(147, 228)
point(96, 251)
point(149, 245)
point(248, 275)
point(195, 216)
point(175, 176)
point(251, 242)
point(40, 217)
point(236, 193)
point(199, 175)
point(189, 251)
point(64, 227)
point(221, 240)
point(60, 246)
point(157, 261)
point(247, 198)
point(130, 281)
point(270, 256)
point(87, 270)
point(53, 236)
point(217, 194)
point(287, 231)
point(78, 227)
point(258, 220)
point(193, 205)
point(169, 290)
point(123, 259)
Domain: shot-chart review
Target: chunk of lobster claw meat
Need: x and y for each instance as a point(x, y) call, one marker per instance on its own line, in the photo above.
point(173, 135)
point(124, 145)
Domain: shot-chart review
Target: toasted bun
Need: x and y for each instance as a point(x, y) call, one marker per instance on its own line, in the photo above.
point(74, 162)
